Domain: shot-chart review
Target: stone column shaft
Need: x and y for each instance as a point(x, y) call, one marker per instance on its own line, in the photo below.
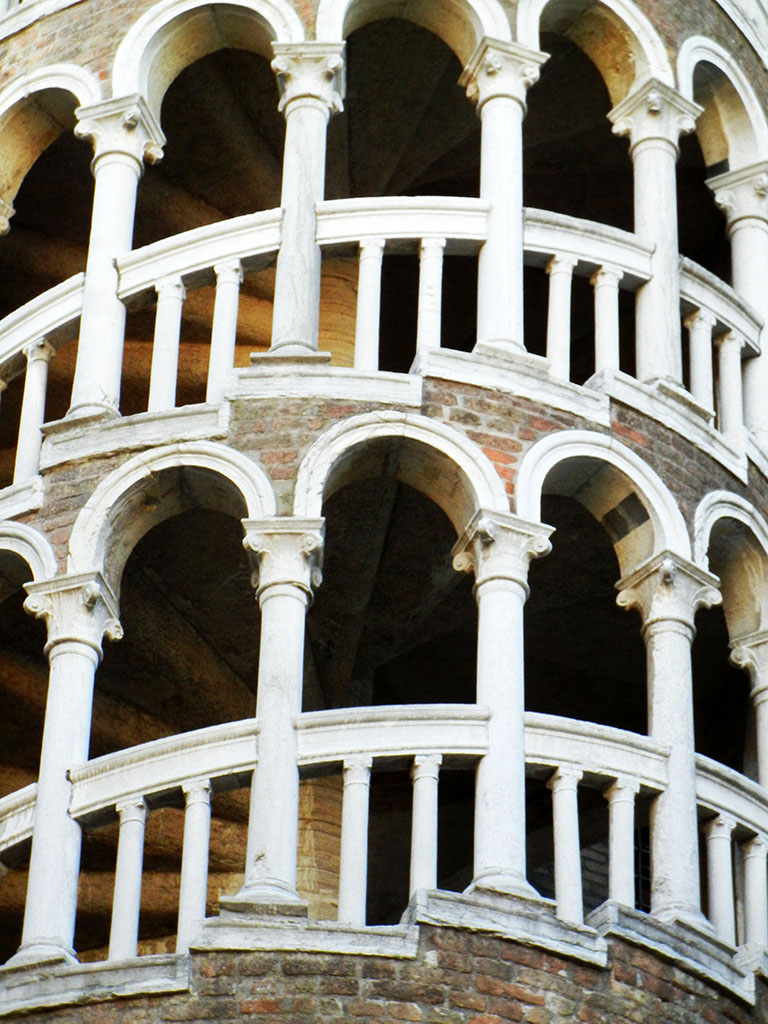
point(756, 893)
point(731, 411)
point(564, 785)
point(229, 277)
point(165, 349)
point(353, 867)
point(126, 902)
point(425, 772)
point(720, 878)
point(560, 270)
point(621, 830)
point(368, 305)
point(193, 889)
point(38, 355)
point(700, 325)
point(430, 293)
point(606, 285)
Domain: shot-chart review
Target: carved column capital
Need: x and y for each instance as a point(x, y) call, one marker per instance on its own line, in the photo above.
point(654, 112)
point(742, 193)
point(285, 552)
point(125, 126)
point(500, 69)
point(312, 72)
point(667, 591)
point(39, 349)
point(750, 652)
point(499, 546)
point(76, 609)
point(6, 212)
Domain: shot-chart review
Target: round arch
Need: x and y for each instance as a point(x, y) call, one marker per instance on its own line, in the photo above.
point(742, 127)
point(136, 497)
point(591, 451)
point(461, 24)
point(724, 505)
point(28, 544)
point(174, 33)
point(34, 110)
point(644, 53)
point(432, 458)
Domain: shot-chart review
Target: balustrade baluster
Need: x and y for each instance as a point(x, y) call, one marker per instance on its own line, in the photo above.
point(126, 902)
point(229, 277)
point(560, 270)
point(731, 411)
point(621, 831)
point(165, 349)
point(425, 771)
point(700, 325)
point(194, 861)
point(720, 877)
point(430, 293)
point(39, 354)
point(605, 282)
point(755, 853)
point(368, 304)
point(564, 785)
point(353, 870)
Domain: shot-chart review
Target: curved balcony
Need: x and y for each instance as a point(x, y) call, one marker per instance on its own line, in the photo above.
point(616, 263)
point(430, 741)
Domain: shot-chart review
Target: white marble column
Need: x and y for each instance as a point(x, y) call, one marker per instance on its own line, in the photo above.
point(424, 773)
point(755, 854)
point(667, 591)
point(750, 652)
point(124, 133)
point(353, 860)
point(700, 326)
point(165, 348)
point(193, 888)
point(498, 549)
point(79, 612)
point(621, 836)
point(564, 785)
point(229, 277)
point(310, 79)
point(38, 355)
point(742, 195)
point(430, 293)
point(497, 78)
point(368, 304)
point(720, 877)
point(605, 282)
point(560, 270)
point(730, 413)
point(126, 901)
point(654, 116)
point(286, 553)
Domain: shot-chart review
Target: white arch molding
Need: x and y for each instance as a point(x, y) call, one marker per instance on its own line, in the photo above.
point(644, 34)
point(724, 505)
point(669, 529)
point(71, 78)
point(696, 49)
point(136, 57)
point(32, 546)
point(450, 20)
point(92, 539)
point(484, 489)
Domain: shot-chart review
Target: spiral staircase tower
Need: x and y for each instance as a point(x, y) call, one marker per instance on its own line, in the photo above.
point(384, 511)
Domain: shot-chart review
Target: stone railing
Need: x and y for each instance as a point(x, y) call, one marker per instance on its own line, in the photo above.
point(435, 228)
point(571, 756)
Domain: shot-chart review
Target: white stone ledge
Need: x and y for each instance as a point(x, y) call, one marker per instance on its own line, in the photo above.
point(275, 377)
point(523, 375)
point(599, 750)
point(531, 922)
point(17, 817)
point(242, 932)
point(164, 764)
point(679, 413)
point(40, 987)
point(702, 955)
point(38, 318)
point(29, 12)
point(70, 439)
point(20, 498)
point(458, 731)
point(724, 791)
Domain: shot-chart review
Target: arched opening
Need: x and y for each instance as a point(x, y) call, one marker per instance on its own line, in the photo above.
point(394, 623)
point(47, 178)
point(23, 689)
point(407, 129)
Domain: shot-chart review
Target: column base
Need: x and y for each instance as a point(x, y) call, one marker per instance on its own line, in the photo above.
point(504, 883)
point(92, 412)
point(267, 897)
point(42, 952)
point(291, 350)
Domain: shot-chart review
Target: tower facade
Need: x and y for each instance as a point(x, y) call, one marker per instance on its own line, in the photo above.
point(384, 510)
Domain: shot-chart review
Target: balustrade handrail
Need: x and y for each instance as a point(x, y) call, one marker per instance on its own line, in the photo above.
point(702, 290)
point(592, 244)
point(37, 318)
point(724, 790)
point(17, 816)
point(194, 252)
